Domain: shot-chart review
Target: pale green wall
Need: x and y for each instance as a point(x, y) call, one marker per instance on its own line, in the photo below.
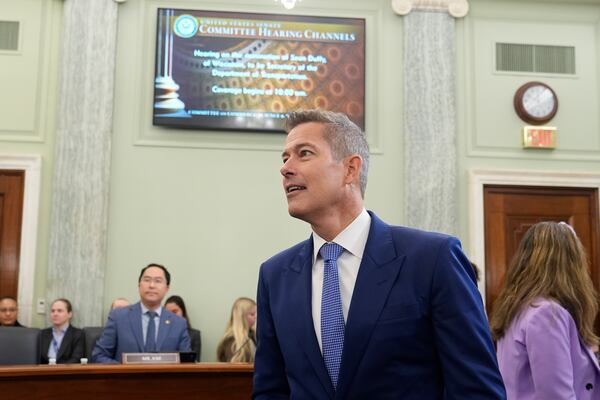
point(186, 198)
point(183, 198)
point(489, 131)
point(29, 102)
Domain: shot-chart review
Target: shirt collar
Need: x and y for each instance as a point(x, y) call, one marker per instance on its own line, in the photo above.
point(145, 309)
point(61, 329)
point(353, 238)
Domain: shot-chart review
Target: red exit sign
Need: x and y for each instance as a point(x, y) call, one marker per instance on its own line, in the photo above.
point(539, 137)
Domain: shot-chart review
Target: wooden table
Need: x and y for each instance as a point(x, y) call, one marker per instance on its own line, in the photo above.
point(212, 381)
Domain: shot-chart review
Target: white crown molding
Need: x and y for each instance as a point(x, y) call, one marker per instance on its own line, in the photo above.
point(456, 8)
point(32, 165)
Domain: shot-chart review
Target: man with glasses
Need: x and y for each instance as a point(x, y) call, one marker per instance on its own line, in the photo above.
point(9, 312)
point(143, 327)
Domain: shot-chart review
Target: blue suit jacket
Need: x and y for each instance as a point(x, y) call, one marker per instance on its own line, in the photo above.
point(416, 327)
point(123, 334)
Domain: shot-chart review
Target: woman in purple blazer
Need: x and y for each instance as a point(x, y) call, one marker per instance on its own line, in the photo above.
point(544, 319)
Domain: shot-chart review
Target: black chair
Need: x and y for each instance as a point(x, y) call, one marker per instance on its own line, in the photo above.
point(196, 342)
point(19, 345)
point(91, 334)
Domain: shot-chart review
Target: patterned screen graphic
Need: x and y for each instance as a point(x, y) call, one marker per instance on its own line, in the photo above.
point(217, 70)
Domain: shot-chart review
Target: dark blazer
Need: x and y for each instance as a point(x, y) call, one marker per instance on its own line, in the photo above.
point(72, 347)
point(196, 342)
point(416, 327)
point(123, 334)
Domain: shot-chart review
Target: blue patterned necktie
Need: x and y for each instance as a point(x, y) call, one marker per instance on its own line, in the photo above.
point(53, 349)
point(151, 333)
point(332, 316)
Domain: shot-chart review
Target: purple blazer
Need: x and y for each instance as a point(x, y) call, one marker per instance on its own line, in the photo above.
point(542, 357)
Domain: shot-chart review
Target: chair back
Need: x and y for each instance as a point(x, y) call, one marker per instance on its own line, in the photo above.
point(91, 333)
point(19, 345)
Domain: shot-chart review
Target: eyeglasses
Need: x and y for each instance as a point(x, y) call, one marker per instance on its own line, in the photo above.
point(8, 310)
point(157, 281)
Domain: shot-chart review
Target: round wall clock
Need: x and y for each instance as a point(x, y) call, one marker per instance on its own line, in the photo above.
point(535, 103)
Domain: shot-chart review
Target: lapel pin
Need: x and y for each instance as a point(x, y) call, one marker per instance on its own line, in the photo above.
point(168, 321)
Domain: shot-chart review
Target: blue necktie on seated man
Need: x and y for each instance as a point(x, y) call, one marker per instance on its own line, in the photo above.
point(150, 346)
point(332, 316)
point(57, 335)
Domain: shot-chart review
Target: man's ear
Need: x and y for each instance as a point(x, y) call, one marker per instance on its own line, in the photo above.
point(353, 165)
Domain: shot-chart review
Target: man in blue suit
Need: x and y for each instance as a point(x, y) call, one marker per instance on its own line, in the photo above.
point(143, 327)
point(362, 309)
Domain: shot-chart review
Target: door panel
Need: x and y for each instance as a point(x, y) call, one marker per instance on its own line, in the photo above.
point(11, 215)
point(511, 210)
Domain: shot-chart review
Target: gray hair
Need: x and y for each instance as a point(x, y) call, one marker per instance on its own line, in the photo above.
point(343, 135)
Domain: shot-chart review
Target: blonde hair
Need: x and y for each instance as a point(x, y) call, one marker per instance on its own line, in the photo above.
point(238, 339)
point(551, 263)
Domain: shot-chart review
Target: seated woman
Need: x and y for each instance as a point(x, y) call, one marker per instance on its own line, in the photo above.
point(62, 342)
point(239, 341)
point(176, 305)
point(544, 319)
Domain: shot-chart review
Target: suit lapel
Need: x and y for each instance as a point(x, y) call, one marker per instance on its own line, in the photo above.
point(135, 320)
point(164, 327)
point(378, 272)
point(299, 282)
point(65, 343)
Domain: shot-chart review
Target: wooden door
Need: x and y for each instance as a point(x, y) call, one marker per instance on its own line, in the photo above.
point(11, 214)
point(511, 210)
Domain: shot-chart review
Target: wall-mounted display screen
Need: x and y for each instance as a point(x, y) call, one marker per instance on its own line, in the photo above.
point(245, 71)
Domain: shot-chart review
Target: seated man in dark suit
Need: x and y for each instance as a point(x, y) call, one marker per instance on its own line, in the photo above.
point(9, 311)
point(62, 341)
point(144, 326)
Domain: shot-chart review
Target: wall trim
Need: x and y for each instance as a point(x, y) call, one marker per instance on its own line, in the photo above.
point(456, 8)
point(31, 164)
point(480, 177)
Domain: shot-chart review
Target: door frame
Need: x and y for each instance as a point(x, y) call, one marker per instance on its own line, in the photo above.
point(32, 165)
point(480, 177)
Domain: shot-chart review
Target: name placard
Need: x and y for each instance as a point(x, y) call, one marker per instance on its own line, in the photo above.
point(150, 358)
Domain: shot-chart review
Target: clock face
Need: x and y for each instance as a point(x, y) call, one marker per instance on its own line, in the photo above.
point(538, 101)
point(535, 103)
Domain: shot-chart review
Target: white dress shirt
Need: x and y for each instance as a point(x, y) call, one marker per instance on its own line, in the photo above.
point(353, 239)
